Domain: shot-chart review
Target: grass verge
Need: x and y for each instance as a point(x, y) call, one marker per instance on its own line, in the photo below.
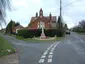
point(81, 33)
point(38, 41)
point(5, 47)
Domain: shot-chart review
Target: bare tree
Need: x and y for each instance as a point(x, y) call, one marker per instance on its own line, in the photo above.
point(4, 4)
point(82, 24)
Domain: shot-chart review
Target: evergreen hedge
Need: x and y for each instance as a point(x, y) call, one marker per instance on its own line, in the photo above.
point(37, 32)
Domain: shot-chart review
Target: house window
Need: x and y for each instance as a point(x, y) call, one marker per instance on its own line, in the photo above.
point(41, 24)
point(38, 25)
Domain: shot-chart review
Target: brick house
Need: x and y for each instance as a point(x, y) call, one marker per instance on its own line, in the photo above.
point(47, 21)
point(19, 27)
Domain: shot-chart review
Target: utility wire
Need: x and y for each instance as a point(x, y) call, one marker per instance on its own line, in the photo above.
point(68, 4)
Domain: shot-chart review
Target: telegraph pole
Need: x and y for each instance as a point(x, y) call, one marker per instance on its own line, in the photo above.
point(60, 10)
point(60, 16)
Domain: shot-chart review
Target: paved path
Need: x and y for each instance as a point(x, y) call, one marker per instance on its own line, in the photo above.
point(10, 59)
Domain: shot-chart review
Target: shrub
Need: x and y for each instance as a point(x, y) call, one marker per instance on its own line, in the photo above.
point(28, 33)
point(50, 32)
point(37, 32)
point(60, 32)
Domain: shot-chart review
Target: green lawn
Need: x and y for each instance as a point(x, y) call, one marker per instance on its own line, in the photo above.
point(5, 47)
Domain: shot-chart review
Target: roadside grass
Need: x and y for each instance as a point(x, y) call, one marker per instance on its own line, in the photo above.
point(38, 41)
point(5, 47)
point(81, 33)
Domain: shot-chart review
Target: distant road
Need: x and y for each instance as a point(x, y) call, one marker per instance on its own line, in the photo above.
point(70, 50)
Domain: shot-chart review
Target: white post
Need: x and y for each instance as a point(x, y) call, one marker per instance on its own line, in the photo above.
point(42, 34)
point(42, 29)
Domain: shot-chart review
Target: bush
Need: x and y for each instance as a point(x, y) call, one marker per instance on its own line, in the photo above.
point(60, 32)
point(50, 32)
point(28, 33)
point(37, 32)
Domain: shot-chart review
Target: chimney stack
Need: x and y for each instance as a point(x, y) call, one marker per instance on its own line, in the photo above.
point(50, 16)
point(36, 14)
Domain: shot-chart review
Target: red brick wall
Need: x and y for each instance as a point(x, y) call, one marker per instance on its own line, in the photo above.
point(34, 24)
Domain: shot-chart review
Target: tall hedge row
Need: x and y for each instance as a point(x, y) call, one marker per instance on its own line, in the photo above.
point(37, 32)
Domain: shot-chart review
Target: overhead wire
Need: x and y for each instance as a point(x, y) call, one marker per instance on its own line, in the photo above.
point(67, 5)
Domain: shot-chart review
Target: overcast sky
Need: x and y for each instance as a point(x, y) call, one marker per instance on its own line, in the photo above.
point(23, 10)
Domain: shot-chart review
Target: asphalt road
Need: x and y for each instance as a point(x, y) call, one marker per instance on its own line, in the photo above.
point(70, 50)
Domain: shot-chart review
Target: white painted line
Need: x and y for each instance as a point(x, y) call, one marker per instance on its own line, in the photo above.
point(51, 46)
point(51, 53)
point(55, 46)
point(81, 40)
point(41, 61)
point(49, 60)
point(77, 37)
point(45, 52)
point(52, 49)
point(43, 56)
point(50, 56)
point(73, 45)
point(48, 49)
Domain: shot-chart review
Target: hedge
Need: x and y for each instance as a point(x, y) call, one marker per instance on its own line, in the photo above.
point(79, 30)
point(37, 32)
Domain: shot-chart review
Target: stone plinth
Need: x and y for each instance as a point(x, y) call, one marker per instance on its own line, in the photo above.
point(42, 36)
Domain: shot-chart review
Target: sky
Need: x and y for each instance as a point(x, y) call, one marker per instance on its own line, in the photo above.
point(23, 10)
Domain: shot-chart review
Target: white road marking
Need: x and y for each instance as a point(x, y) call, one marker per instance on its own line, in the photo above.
point(50, 56)
point(49, 60)
point(51, 49)
point(41, 61)
point(73, 45)
point(43, 56)
point(55, 46)
point(51, 53)
point(45, 52)
point(79, 38)
point(51, 46)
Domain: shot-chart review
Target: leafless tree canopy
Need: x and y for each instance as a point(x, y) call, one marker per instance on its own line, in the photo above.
point(4, 4)
point(82, 24)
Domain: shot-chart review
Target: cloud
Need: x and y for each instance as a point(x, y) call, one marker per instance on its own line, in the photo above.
point(23, 10)
point(37, 1)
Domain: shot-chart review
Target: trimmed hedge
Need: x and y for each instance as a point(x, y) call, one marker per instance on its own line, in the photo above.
point(28, 33)
point(37, 32)
point(79, 30)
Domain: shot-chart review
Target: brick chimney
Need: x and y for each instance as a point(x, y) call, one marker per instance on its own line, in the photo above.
point(50, 16)
point(36, 14)
point(41, 12)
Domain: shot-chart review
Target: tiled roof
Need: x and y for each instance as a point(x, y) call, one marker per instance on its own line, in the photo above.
point(33, 18)
point(53, 18)
point(19, 26)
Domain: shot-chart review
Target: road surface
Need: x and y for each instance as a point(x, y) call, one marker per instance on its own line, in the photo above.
point(70, 50)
